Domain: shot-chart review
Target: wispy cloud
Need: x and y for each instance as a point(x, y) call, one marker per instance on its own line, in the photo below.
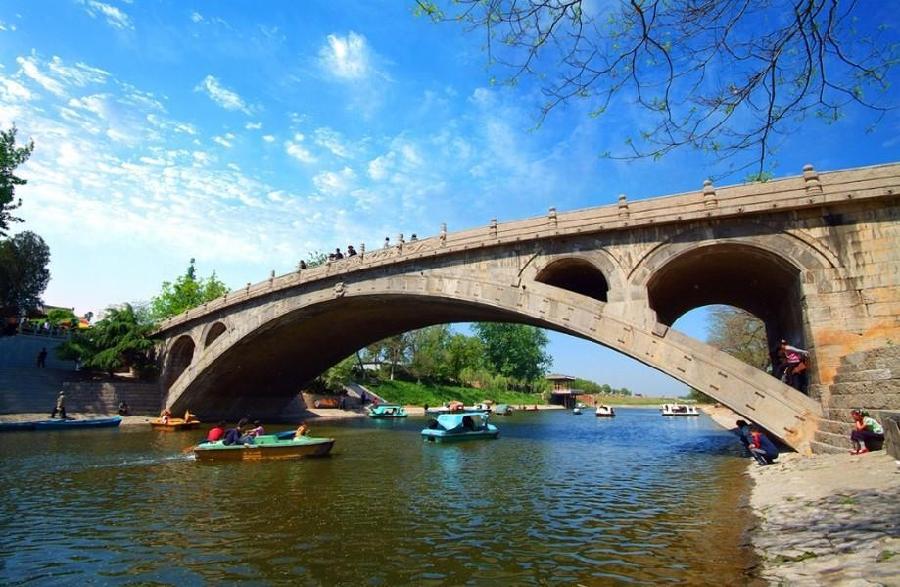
point(227, 99)
point(114, 16)
point(347, 58)
point(30, 68)
point(294, 148)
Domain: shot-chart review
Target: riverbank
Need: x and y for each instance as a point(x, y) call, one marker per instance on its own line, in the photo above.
point(826, 519)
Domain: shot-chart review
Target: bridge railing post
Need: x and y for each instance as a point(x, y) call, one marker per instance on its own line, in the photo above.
point(710, 199)
point(623, 206)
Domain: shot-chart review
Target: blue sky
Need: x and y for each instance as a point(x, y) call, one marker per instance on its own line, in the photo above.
point(247, 134)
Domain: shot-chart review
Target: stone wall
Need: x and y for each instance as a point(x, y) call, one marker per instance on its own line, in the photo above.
point(103, 397)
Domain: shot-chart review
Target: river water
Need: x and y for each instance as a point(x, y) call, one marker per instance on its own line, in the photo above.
point(557, 499)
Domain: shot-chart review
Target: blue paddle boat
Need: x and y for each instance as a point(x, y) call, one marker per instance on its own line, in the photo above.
point(387, 411)
point(452, 427)
point(78, 424)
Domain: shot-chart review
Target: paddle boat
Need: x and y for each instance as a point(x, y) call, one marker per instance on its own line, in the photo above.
point(72, 424)
point(387, 411)
point(576, 412)
point(503, 410)
point(604, 411)
point(678, 410)
point(175, 424)
point(267, 447)
point(452, 427)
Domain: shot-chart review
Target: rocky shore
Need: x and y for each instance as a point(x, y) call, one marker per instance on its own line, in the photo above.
point(827, 519)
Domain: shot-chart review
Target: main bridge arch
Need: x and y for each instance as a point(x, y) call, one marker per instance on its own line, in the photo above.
point(292, 339)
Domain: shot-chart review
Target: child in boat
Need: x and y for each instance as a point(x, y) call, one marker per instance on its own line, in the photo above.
point(234, 435)
point(217, 432)
point(251, 434)
point(302, 430)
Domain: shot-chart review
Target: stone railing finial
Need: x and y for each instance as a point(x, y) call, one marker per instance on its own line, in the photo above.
point(493, 227)
point(551, 216)
point(362, 250)
point(811, 179)
point(710, 200)
point(623, 206)
point(443, 233)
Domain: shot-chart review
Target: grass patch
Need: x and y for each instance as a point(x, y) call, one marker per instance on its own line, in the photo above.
point(885, 555)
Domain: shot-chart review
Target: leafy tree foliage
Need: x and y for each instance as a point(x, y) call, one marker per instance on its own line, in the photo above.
point(11, 157)
point(724, 76)
point(185, 293)
point(23, 272)
point(62, 317)
point(515, 350)
point(595, 388)
point(739, 334)
point(121, 340)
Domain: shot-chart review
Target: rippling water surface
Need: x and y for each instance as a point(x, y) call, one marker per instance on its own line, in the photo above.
point(558, 499)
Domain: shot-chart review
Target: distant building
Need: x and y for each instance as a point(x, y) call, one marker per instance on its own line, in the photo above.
point(562, 393)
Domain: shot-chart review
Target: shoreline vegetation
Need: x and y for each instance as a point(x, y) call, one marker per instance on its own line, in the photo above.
point(826, 519)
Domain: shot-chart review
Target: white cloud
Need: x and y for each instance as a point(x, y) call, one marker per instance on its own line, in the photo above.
point(114, 17)
point(332, 141)
point(226, 140)
point(253, 125)
point(298, 151)
point(78, 75)
point(30, 69)
point(13, 91)
point(7, 26)
point(196, 17)
point(268, 138)
point(221, 95)
point(335, 182)
point(347, 57)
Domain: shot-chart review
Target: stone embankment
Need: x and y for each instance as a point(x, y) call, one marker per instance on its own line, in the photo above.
point(829, 519)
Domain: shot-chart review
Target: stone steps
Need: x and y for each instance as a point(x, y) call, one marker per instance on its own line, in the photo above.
point(823, 448)
point(863, 375)
point(840, 427)
point(885, 357)
point(839, 441)
point(888, 386)
point(866, 401)
point(20, 351)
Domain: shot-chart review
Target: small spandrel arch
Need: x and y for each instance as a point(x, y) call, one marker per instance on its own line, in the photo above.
point(180, 357)
point(576, 275)
point(215, 331)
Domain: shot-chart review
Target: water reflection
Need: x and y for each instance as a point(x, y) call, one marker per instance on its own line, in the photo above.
point(557, 499)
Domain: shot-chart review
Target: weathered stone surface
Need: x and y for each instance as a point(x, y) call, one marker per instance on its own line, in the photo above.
point(819, 270)
point(864, 375)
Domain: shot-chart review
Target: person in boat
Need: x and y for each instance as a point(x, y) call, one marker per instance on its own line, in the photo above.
point(217, 432)
point(60, 406)
point(251, 434)
point(763, 450)
point(866, 431)
point(233, 435)
point(189, 417)
point(123, 408)
point(165, 415)
point(302, 430)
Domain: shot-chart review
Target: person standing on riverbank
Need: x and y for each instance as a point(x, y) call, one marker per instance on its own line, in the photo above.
point(60, 406)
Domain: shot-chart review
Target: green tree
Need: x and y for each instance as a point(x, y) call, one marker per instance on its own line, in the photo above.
point(11, 157)
point(62, 317)
point(429, 353)
point(464, 352)
point(335, 378)
point(739, 334)
point(515, 350)
point(776, 63)
point(23, 272)
point(314, 259)
point(185, 293)
point(120, 341)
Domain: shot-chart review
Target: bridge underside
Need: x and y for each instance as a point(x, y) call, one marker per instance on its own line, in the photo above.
point(267, 369)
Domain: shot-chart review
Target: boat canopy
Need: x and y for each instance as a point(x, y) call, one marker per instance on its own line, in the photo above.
point(471, 421)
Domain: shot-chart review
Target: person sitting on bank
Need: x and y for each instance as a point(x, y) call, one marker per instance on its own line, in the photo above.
point(60, 406)
point(763, 450)
point(233, 435)
point(123, 408)
point(302, 430)
point(866, 432)
point(743, 430)
point(217, 432)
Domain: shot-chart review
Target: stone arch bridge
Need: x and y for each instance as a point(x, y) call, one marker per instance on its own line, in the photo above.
point(815, 257)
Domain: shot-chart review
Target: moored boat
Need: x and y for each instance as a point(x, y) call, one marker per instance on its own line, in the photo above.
point(174, 424)
point(678, 410)
point(71, 424)
point(387, 411)
point(503, 410)
point(604, 411)
point(452, 427)
point(576, 412)
point(269, 447)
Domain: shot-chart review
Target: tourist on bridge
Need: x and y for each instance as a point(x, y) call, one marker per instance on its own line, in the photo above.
point(338, 255)
point(351, 252)
point(763, 450)
point(866, 433)
point(60, 406)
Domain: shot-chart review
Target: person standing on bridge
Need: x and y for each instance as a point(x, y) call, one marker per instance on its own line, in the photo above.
point(793, 364)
